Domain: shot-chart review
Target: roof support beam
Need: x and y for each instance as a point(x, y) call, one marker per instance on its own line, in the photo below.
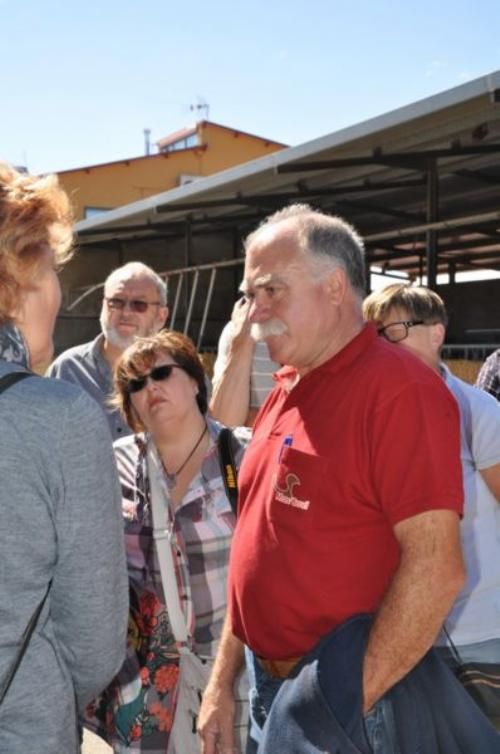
point(378, 157)
point(377, 254)
point(470, 261)
point(287, 196)
point(478, 175)
point(451, 222)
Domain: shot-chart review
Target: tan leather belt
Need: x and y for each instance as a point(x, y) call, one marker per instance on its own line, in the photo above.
point(279, 668)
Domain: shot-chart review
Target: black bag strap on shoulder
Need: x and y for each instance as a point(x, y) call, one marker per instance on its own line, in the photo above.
point(11, 378)
point(453, 649)
point(25, 640)
point(5, 382)
point(228, 467)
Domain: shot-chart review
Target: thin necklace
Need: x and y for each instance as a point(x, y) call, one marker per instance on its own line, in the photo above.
point(172, 478)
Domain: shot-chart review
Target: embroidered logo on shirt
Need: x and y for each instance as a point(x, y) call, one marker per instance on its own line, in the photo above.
point(286, 495)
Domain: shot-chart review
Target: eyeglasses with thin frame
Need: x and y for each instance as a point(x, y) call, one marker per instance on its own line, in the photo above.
point(134, 304)
point(395, 332)
point(158, 374)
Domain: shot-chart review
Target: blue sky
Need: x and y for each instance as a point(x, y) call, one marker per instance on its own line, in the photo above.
point(80, 81)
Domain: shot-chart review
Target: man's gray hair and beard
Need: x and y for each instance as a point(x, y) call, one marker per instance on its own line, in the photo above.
point(263, 330)
point(118, 341)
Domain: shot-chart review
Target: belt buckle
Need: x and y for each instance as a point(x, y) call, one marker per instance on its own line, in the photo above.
point(278, 668)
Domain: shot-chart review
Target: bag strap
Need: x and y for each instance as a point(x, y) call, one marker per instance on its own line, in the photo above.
point(11, 378)
point(228, 467)
point(25, 640)
point(454, 650)
point(5, 382)
point(162, 535)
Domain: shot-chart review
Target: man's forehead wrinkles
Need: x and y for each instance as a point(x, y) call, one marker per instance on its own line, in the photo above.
point(133, 286)
point(262, 280)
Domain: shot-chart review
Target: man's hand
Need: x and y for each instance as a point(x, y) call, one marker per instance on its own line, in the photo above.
point(216, 720)
point(231, 381)
point(240, 321)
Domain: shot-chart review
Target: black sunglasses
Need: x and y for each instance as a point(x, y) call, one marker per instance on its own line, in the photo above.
point(157, 375)
point(134, 304)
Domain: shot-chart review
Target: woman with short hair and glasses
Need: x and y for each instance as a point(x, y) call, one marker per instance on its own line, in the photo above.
point(173, 459)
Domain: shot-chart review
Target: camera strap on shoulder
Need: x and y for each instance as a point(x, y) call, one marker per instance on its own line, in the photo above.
point(228, 467)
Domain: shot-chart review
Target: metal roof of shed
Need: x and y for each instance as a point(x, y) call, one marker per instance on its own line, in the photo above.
point(421, 184)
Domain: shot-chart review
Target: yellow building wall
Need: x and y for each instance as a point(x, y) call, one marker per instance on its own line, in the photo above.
point(227, 147)
point(114, 184)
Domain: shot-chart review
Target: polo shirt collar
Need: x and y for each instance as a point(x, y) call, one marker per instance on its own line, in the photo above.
point(339, 361)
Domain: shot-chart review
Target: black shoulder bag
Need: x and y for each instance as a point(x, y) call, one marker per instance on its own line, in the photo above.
point(480, 679)
point(6, 382)
point(228, 467)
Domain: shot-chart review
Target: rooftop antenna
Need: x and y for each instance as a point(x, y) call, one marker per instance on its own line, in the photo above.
point(147, 141)
point(201, 106)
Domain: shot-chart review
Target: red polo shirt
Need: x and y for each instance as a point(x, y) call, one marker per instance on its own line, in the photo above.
point(364, 441)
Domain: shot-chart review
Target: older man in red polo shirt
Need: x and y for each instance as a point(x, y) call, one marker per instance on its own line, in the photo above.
point(351, 490)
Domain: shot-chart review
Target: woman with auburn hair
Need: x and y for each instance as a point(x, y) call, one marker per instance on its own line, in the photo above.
point(63, 595)
point(171, 480)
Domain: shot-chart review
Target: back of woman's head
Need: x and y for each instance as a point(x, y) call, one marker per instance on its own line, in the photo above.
point(35, 213)
point(140, 357)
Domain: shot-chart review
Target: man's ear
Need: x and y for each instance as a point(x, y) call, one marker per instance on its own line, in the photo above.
point(163, 315)
point(438, 334)
point(336, 285)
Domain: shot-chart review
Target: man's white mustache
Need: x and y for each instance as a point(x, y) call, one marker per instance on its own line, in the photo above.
point(263, 330)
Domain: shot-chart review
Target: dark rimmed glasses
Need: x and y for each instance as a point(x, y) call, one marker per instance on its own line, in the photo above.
point(158, 374)
point(134, 304)
point(395, 332)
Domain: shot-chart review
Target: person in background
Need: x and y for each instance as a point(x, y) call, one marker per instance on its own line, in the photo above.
point(161, 391)
point(134, 305)
point(60, 531)
point(350, 490)
point(488, 378)
point(243, 371)
point(415, 319)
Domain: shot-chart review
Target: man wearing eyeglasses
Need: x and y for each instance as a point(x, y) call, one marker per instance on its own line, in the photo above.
point(134, 305)
point(415, 318)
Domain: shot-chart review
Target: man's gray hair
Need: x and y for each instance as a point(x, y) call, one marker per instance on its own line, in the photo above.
point(330, 241)
point(138, 269)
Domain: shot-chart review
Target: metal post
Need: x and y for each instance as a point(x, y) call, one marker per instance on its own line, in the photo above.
point(452, 270)
point(191, 301)
point(188, 244)
point(368, 276)
point(236, 249)
point(432, 216)
point(206, 308)
point(121, 254)
point(176, 300)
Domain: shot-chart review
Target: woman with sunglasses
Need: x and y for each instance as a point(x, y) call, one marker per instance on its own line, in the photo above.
point(170, 465)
